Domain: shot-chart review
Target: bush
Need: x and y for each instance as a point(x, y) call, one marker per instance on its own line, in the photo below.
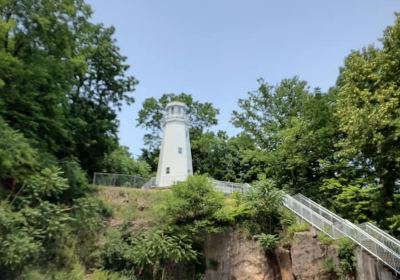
point(265, 206)
point(17, 245)
point(268, 241)
point(17, 157)
point(328, 266)
point(346, 256)
point(106, 275)
point(77, 179)
point(194, 205)
point(325, 239)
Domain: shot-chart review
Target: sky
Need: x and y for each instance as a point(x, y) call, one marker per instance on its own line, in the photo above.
point(217, 49)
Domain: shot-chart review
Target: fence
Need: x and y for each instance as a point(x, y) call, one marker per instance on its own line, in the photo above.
point(309, 215)
point(118, 180)
point(229, 187)
point(382, 236)
point(369, 237)
point(150, 183)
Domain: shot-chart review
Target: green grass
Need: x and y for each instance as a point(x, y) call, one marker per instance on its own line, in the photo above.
point(129, 204)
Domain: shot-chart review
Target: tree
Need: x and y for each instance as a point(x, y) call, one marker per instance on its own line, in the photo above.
point(368, 109)
point(295, 131)
point(62, 78)
point(121, 161)
point(17, 158)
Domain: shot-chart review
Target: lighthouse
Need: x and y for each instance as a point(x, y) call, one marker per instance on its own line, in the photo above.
point(175, 161)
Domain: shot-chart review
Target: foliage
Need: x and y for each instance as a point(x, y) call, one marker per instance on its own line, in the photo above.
point(325, 239)
point(187, 213)
point(120, 161)
point(62, 78)
point(17, 158)
point(351, 201)
point(329, 267)
point(346, 256)
point(39, 227)
point(294, 129)
point(17, 244)
point(268, 241)
point(76, 272)
point(106, 275)
point(149, 252)
point(298, 227)
point(264, 203)
point(193, 206)
point(368, 110)
point(157, 249)
point(287, 235)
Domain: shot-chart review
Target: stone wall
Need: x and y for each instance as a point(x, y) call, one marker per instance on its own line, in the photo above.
point(231, 256)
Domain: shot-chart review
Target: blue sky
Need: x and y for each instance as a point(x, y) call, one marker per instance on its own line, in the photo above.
point(217, 49)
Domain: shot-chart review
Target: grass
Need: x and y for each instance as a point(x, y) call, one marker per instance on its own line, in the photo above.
point(129, 204)
point(288, 233)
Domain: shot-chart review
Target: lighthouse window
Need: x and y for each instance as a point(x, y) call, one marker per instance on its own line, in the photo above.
point(167, 171)
point(179, 150)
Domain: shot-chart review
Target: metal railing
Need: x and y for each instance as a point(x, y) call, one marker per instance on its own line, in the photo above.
point(310, 216)
point(378, 243)
point(382, 236)
point(369, 237)
point(229, 187)
point(118, 180)
point(150, 183)
point(334, 218)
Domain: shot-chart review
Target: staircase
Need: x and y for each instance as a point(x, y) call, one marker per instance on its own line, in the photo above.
point(372, 239)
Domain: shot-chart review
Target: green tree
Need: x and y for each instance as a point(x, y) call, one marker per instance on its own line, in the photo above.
point(121, 161)
point(17, 158)
point(62, 78)
point(368, 109)
point(193, 204)
point(264, 203)
point(295, 131)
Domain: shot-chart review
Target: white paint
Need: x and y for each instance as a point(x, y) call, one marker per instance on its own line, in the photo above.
point(175, 162)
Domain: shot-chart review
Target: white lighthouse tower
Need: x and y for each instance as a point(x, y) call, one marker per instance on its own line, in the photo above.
point(175, 162)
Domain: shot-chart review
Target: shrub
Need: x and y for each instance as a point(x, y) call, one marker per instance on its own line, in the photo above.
point(346, 256)
point(328, 266)
point(17, 245)
point(194, 206)
point(268, 241)
point(264, 202)
point(77, 179)
point(106, 275)
point(17, 157)
point(325, 239)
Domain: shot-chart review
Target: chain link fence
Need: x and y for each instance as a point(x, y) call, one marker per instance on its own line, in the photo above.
point(118, 180)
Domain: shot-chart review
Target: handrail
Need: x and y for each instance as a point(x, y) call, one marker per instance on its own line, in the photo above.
point(382, 236)
point(378, 243)
point(318, 208)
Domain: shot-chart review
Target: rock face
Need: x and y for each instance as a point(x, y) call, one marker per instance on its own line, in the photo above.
point(232, 257)
point(229, 256)
point(369, 269)
point(308, 256)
